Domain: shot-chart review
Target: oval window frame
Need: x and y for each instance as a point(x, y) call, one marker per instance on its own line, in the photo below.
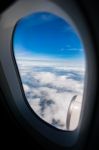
point(63, 138)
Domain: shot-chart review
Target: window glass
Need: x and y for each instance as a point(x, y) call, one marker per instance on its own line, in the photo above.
point(51, 63)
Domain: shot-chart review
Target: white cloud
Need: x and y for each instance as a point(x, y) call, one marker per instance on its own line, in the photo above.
point(49, 89)
point(26, 88)
point(62, 81)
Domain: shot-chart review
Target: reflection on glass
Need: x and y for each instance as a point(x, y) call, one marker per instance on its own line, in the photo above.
point(51, 62)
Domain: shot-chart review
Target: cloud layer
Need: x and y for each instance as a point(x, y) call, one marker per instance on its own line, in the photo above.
point(49, 88)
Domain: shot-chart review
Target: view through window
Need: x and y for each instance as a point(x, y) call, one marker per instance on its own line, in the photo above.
point(51, 63)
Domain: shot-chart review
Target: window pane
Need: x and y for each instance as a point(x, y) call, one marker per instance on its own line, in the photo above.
point(51, 63)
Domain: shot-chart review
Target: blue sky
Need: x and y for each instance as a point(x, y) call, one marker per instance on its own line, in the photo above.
point(46, 35)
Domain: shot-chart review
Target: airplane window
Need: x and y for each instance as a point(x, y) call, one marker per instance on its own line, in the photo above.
point(51, 62)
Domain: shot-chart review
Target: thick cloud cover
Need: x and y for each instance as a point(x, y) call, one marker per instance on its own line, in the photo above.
point(49, 88)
